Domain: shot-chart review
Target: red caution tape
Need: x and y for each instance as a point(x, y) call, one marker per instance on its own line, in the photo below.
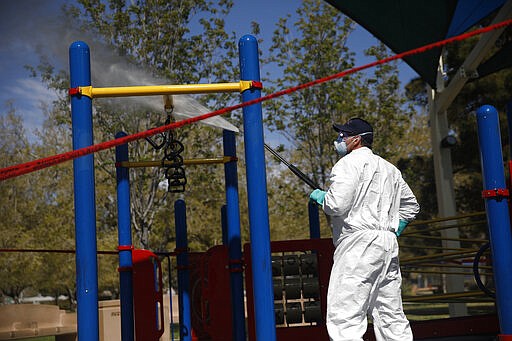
point(24, 168)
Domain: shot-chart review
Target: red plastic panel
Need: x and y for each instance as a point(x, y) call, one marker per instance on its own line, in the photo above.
point(323, 249)
point(212, 317)
point(147, 296)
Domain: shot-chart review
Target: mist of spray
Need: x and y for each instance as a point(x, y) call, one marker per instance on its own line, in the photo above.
point(117, 72)
point(40, 29)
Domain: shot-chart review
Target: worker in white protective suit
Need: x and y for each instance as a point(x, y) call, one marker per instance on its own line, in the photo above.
point(369, 204)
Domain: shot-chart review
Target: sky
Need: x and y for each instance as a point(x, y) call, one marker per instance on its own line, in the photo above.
point(29, 26)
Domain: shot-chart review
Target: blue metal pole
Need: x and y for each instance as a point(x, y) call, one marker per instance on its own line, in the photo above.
point(180, 218)
point(234, 237)
point(257, 195)
point(314, 221)
point(125, 242)
point(497, 211)
point(224, 223)
point(509, 121)
point(85, 209)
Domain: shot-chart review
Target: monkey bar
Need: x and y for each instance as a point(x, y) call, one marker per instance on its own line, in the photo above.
point(160, 163)
point(149, 90)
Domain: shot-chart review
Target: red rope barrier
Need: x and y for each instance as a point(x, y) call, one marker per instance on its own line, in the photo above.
point(53, 251)
point(100, 252)
point(24, 168)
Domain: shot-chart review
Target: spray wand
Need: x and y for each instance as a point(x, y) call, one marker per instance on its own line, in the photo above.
point(294, 169)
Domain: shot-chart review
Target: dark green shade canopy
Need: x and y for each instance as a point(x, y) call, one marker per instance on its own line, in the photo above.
point(407, 24)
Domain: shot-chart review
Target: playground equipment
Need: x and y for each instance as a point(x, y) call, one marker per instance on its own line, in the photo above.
point(300, 301)
point(300, 270)
point(82, 94)
point(496, 194)
point(148, 304)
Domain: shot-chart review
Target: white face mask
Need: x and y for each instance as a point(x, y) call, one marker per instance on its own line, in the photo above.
point(341, 146)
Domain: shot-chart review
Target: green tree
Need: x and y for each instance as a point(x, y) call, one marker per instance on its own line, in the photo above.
point(492, 89)
point(395, 122)
point(313, 47)
point(20, 210)
point(316, 50)
point(166, 51)
point(56, 226)
point(173, 42)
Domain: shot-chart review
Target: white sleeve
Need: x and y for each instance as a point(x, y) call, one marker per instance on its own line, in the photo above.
point(340, 195)
point(409, 206)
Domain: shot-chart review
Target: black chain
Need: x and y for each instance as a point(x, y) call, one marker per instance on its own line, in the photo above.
point(172, 160)
point(174, 171)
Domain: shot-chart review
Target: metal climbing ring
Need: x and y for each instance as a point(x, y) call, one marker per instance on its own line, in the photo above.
point(476, 271)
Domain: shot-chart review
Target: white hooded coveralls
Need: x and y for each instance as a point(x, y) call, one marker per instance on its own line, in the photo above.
point(366, 199)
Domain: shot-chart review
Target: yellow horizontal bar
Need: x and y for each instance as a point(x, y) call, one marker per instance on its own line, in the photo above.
point(149, 90)
point(407, 246)
point(441, 265)
point(203, 161)
point(436, 220)
point(453, 239)
point(465, 294)
point(437, 272)
point(445, 227)
point(437, 256)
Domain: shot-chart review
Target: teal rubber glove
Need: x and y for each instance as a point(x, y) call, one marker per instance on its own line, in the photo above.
point(318, 196)
point(401, 227)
